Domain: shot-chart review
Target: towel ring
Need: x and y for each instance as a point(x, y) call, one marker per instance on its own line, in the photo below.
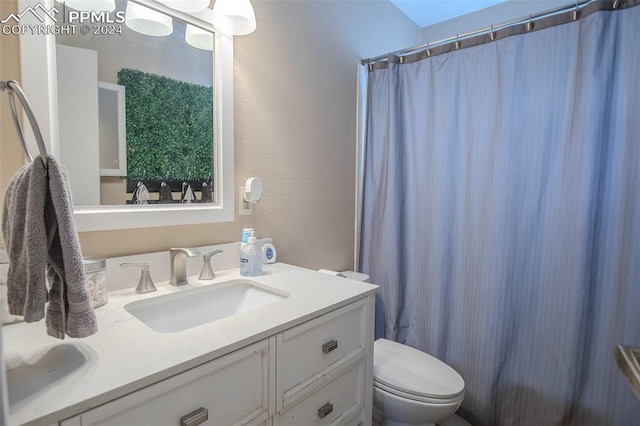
point(13, 87)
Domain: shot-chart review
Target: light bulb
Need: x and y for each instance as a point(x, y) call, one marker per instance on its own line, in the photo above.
point(146, 21)
point(198, 38)
point(234, 17)
point(186, 5)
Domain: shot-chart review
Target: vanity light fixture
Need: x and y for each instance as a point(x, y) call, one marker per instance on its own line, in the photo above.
point(186, 5)
point(147, 21)
point(234, 17)
point(198, 38)
point(91, 5)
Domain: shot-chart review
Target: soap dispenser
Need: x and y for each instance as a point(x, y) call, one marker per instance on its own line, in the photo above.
point(250, 259)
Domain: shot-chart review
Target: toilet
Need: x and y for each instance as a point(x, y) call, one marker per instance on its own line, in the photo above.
point(411, 387)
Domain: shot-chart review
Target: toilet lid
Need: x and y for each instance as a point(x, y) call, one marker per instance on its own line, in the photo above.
point(414, 372)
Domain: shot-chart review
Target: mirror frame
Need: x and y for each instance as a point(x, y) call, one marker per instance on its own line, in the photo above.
point(38, 80)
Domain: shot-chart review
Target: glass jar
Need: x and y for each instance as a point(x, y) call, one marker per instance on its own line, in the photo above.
point(95, 270)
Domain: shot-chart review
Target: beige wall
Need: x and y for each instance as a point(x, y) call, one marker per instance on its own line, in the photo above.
point(296, 118)
point(11, 154)
point(295, 127)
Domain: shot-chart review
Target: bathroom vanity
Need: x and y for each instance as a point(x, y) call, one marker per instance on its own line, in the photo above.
point(304, 358)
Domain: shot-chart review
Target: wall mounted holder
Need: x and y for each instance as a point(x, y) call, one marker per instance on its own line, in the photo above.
point(253, 190)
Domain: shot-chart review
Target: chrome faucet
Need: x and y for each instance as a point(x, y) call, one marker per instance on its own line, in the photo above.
point(178, 257)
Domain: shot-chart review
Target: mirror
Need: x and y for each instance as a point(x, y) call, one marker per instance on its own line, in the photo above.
point(96, 209)
point(159, 91)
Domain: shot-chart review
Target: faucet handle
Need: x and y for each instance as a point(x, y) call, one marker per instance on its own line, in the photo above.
point(145, 283)
point(207, 272)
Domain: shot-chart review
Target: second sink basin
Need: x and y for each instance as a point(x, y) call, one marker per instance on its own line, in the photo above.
point(189, 308)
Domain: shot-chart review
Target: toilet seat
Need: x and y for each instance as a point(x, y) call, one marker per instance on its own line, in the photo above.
point(409, 373)
point(418, 398)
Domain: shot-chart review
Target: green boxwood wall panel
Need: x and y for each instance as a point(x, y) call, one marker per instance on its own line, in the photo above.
point(169, 127)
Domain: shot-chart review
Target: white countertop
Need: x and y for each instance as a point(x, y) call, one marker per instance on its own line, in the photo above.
point(50, 379)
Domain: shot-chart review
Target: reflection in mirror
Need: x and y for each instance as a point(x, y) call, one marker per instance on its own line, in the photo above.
point(112, 139)
point(149, 97)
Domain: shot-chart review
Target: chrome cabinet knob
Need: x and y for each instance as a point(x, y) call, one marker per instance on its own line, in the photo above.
point(195, 418)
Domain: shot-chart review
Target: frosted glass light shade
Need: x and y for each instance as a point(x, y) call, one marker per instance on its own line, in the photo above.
point(146, 21)
point(186, 5)
point(234, 17)
point(91, 5)
point(198, 38)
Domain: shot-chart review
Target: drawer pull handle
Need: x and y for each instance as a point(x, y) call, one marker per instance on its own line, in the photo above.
point(329, 346)
point(195, 418)
point(325, 410)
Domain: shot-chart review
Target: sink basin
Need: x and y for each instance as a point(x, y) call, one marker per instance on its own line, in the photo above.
point(193, 307)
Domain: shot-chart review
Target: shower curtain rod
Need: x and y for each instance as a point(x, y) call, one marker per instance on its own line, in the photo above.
point(573, 9)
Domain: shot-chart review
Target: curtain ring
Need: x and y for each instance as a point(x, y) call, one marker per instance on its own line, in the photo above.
point(458, 45)
point(617, 4)
point(428, 51)
point(529, 25)
point(492, 34)
point(575, 14)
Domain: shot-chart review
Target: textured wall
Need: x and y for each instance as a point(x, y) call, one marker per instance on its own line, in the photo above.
point(295, 127)
point(11, 154)
point(296, 118)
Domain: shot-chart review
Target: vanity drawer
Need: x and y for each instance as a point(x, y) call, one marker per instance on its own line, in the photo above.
point(338, 402)
point(234, 389)
point(314, 347)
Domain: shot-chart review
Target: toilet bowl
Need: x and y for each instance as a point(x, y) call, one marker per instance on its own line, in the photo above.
point(411, 387)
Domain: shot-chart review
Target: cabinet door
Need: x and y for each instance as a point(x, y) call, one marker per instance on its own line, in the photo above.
point(306, 353)
point(234, 390)
point(338, 402)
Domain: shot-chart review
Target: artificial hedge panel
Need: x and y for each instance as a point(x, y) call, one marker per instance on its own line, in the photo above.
point(169, 127)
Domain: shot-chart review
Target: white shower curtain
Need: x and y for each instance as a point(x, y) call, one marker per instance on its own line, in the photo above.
point(501, 217)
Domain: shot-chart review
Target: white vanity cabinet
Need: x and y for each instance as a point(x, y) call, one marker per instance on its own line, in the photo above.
point(232, 390)
point(318, 372)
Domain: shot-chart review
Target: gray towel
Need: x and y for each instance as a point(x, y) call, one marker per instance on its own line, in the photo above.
point(25, 236)
point(38, 225)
